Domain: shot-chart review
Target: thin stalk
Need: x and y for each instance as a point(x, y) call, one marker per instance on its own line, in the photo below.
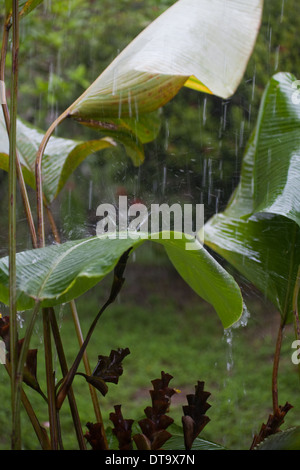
point(53, 417)
point(52, 223)
point(38, 178)
point(63, 391)
point(16, 423)
point(22, 360)
point(5, 110)
point(295, 305)
point(39, 430)
point(64, 369)
point(115, 289)
point(296, 310)
point(276, 368)
point(79, 334)
point(86, 362)
point(88, 371)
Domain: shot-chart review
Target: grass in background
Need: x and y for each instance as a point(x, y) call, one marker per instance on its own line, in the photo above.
point(168, 328)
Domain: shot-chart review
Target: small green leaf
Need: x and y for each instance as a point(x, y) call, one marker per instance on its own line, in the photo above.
point(176, 442)
point(284, 440)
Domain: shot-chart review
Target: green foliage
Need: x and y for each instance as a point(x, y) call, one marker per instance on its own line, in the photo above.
point(58, 274)
point(286, 440)
point(62, 158)
point(260, 222)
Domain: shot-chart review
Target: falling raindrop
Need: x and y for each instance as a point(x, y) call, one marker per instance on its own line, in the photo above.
point(228, 336)
point(282, 11)
point(204, 111)
point(90, 194)
point(242, 133)
point(229, 333)
point(253, 84)
point(167, 135)
point(277, 52)
point(120, 106)
point(129, 104)
point(204, 172)
point(164, 181)
point(20, 319)
point(225, 115)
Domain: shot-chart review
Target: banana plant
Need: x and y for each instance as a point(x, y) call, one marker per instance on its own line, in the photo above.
point(198, 44)
point(259, 232)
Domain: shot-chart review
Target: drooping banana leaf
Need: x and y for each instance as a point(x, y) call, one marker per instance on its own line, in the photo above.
point(201, 44)
point(60, 273)
point(259, 231)
point(25, 6)
point(62, 156)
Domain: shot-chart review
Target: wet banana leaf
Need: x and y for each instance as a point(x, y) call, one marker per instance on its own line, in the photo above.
point(276, 151)
point(132, 133)
point(264, 248)
point(60, 273)
point(200, 44)
point(61, 159)
point(259, 233)
point(25, 6)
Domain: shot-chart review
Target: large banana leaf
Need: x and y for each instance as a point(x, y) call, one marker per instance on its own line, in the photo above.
point(202, 44)
point(60, 273)
point(264, 248)
point(258, 233)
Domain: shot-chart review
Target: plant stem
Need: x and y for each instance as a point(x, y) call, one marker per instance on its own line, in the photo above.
point(88, 371)
point(38, 178)
point(79, 334)
point(53, 418)
point(16, 424)
point(22, 185)
point(22, 360)
point(39, 430)
point(295, 305)
point(276, 368)
point(117, 284)
point(64, 369)
point(296, 310)
point(72, 371)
